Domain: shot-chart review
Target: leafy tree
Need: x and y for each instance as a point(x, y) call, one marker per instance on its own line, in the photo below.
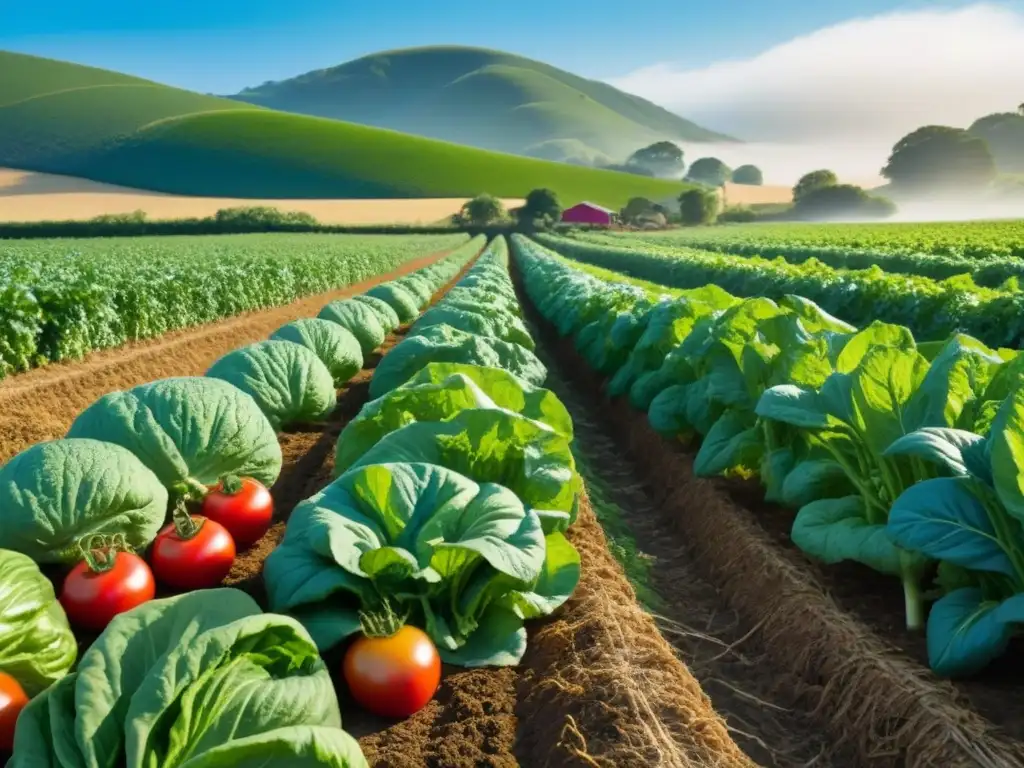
point(812, 181)
point(483, 210)
point(842, 201)
point(709, 170)
point(1004, 133)
point(541, 208)
point(637, 207)
point(937, 156)
point(698, 206)
point(1020, 109)
point(663, 158)
point(748, 174)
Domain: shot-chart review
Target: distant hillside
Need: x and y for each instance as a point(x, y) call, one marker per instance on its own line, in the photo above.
point(68, 119)
point(483, 98)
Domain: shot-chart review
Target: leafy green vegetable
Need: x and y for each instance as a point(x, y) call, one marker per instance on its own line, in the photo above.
point(506, 327)
point(188, 430)
point(494, 446)
point(201, 679)
point(288, 381)
point(336, 347)
point(442, 343)
point(433, 402)
point(398, 298)
point(359, 319)
point(36, 645)
point(468, 561)
point(385, 314)
point(56, 493)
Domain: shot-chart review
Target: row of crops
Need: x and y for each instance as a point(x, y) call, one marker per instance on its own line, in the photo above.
point(964, 239)
point(60, 299)
point(932, 309)
point(990, 271)
point(902, 455)
point(452, 493)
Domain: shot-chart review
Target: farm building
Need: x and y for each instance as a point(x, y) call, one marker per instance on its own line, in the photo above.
point(588, 213)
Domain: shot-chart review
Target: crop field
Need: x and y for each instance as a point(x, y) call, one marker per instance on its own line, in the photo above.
point(551, 501)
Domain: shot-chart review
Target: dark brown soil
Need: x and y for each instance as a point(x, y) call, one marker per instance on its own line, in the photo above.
point(870, 695)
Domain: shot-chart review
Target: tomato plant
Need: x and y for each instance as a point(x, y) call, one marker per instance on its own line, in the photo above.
point(242, 505)
point(12, 701)
point(192, 552)
point(392, 670)
point(111, 579)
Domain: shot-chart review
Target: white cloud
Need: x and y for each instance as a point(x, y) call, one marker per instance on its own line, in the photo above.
point(856, 86)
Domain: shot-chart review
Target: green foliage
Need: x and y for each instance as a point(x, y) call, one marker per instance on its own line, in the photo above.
point(288, 381)
point(709, 170)
point(640, 209)
point(54, 494)
point(748, 174)
point(1004, 134)
point(336, 347)
point(842, 201)
point(542, 208)
point(813, 181)
point(483, 210)
point(37, 647)
point(937, 157)
point(203, 679)
point(60, 300)
point(663, 158)
point(737, 214)
point(698, 206)
point(188, 430)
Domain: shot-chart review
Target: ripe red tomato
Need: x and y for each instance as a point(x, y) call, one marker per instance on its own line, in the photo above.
point(12, 701)
point(192, 552)
point(108, 582)
point(243, 506)
point(393, 676)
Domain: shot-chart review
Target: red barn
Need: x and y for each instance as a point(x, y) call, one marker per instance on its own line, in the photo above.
point(588, 213)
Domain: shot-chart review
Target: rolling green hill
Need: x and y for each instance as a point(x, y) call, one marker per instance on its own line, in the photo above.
point(480, 97)
point(79, 121)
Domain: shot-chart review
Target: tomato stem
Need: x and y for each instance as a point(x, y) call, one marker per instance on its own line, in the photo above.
point(185, 525)
point(189, 489)
point(383, 622)
point(231, 484)
point(100, 551)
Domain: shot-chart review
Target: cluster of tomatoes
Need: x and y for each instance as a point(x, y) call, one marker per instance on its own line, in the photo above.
point(192, 552)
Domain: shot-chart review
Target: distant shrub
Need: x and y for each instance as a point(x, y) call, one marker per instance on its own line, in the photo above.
point(698, 206)
point(812, 181)
point(748, 174)
point(840, 201)
point(709, 170)
point(739, 214)
point(263, 215)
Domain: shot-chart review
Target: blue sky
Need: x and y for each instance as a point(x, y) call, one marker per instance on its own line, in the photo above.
point(221, 46)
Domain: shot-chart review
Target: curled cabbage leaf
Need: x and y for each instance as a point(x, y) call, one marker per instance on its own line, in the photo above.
point(56, 493)
point(442, 343)
point(288, 381)
point(419, 286)
point(336, 347)
point(36, 645)
point(200, 680)
point(439, 392)
point(188, 430)
point(494, 446)
point(507, 327)
point(467, 561)
point(387, 316)
point(398, 298)
point(359, 319)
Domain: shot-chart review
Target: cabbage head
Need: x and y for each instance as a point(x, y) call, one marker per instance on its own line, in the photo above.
point(398, 298)
point(36, 645)
point(57, 493)
point(288, 381)
point(385, 314)
point(359, 319)
point(189, 431)
point(439, 392)
point(200, 680)
point(336, 347)
point(491, 445)
point(505, 327)
point(465, 561)
point(444, 344)
point(419, 286)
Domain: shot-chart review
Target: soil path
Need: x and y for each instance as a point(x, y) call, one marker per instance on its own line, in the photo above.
point(41, 404)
